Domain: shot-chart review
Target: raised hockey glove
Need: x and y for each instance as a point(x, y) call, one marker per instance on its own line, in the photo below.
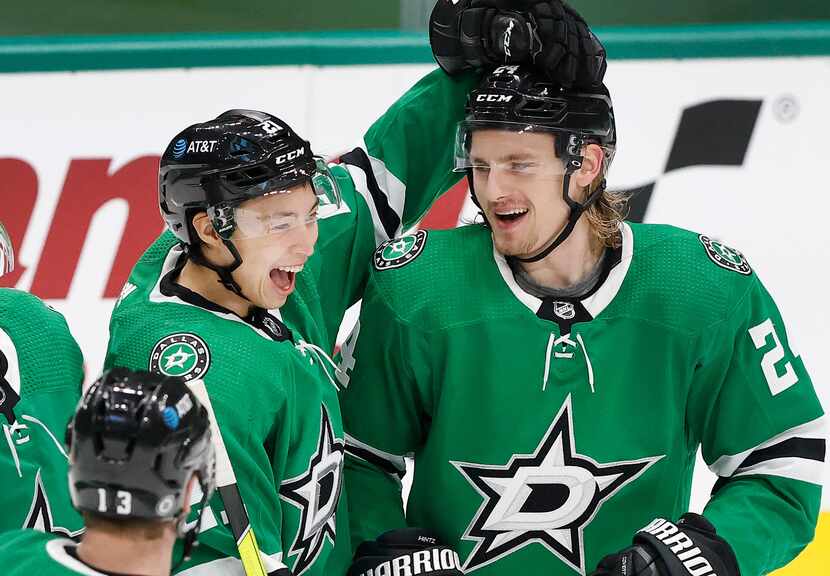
point(689, 548)
point(405, 552)
point(476, 34)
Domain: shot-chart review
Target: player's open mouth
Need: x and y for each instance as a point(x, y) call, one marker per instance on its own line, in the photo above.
point(285, 277)
point(509, 218)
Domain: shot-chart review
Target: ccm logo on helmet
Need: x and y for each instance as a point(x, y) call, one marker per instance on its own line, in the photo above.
point(493, 98)
point(420, 562)
point(293, 155)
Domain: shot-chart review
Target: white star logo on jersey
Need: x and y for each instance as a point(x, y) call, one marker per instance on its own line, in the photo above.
point(316, 493)
point(177, 359)
point(546, 498)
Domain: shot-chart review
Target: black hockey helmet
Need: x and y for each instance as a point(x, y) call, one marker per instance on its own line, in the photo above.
point(136, 440)
point(216, 165)
point(518, 99)
point(6, 252)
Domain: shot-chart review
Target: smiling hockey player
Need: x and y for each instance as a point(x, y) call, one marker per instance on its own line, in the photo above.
point(554, 369)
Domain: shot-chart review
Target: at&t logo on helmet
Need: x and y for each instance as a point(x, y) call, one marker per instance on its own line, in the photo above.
point(179, 148)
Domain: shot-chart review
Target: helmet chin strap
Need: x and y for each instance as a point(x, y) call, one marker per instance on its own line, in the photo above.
point(576, 209)
point(223, 222)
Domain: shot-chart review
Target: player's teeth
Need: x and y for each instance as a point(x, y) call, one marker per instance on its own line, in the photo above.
point(518, 211)
point(294, 269)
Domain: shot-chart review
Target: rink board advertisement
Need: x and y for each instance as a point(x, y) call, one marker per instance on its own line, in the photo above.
point(733, 148)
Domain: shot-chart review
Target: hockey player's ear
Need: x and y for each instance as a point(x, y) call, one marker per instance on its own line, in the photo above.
point(204, 228)
point(592, 158)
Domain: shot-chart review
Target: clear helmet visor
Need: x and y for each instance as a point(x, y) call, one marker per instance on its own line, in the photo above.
point(262, 218)
point(511, 149)
point(6, 252)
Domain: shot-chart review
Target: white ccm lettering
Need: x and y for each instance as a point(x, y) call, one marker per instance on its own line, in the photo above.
point(493, 98)
point(202, 146)
point(293, 155)
point(681, 546)
point(420, 562)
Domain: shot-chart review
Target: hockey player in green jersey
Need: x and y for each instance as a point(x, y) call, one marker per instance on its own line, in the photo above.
point(241, 293)
point(41, 371)
point(139, 444)
point(553, 371)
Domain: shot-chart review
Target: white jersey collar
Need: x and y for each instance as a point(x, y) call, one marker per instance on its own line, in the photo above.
point(157, 296)
point(57, 551)
point(598, 300)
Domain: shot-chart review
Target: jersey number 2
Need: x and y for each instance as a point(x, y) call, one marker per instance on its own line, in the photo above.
point(777, 382)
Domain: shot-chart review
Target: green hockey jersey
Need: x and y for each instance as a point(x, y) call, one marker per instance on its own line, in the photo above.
point(30, 552)
point(546, 432)
point(41, 372)
point(269, 377)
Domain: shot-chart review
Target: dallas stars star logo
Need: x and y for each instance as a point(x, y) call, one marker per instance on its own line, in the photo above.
point(177, 359)
point(182, 354)
point(546, 498)
point(316, 493)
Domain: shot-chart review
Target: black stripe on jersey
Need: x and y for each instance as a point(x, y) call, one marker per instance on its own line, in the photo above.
point(373, 458)
point(803, 448)
point(388, 218)
point(807, 448)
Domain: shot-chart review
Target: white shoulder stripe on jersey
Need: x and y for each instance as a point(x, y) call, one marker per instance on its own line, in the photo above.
point(790, 467)
point(391, 462)
point(387, 208)
point(811, 471)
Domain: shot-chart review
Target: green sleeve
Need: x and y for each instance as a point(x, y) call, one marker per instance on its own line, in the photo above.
point(385, 413)
point(41, 371)
point(388, 183)
point(755, 412)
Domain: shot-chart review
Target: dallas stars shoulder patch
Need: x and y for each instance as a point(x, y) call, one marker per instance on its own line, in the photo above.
point(183, 354)
point(724, 256)
point(400, 251)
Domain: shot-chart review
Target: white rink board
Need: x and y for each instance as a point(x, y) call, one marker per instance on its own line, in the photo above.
point(771, 207)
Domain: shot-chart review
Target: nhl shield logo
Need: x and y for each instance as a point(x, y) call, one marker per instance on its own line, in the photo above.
point(564, 310)
point(184, 355)
point(725, 257)
point(400, 251)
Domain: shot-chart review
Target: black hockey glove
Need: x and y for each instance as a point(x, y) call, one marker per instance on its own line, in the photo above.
point(406, 551)
point(476, 34)
point(689, 548)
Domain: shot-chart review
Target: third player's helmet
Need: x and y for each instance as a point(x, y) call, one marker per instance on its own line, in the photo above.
point(517, 99)
point(217, 165)
point(6, 252)
point(136, 440)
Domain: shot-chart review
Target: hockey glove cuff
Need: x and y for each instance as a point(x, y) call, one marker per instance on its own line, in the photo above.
point(406, 551)
point(689, 548)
